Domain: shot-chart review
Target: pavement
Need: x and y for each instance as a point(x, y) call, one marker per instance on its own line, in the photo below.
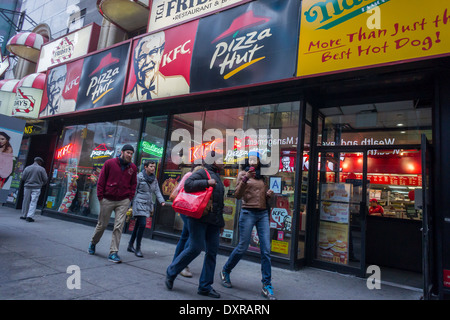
point(48, 260)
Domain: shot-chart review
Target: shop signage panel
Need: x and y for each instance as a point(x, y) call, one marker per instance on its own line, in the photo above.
point(252, 43)
point(161, 64)
point(27, 103)
point(338, 35)
point(61, 89)
point(103, 78)
point(69, 47)
point(166, 13)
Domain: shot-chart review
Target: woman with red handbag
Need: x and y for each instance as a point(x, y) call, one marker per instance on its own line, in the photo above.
point(204, 232)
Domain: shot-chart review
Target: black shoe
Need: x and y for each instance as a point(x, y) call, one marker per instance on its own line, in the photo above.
point(30, 219)
point(138, 253)
point(212, 293)
point(169, 283)
point(131, 249)
point(23, 218)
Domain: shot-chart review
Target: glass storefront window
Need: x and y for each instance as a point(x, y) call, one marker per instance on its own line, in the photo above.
point(379, 124)
point(81, 152)
point(276, 127)
point(151, 148)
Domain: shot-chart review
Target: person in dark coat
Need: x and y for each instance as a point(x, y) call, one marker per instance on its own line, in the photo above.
point(204, 233)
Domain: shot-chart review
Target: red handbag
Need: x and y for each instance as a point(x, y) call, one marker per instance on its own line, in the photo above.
point(193, 204)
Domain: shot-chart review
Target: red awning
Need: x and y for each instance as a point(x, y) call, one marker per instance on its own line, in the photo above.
point(26, 45)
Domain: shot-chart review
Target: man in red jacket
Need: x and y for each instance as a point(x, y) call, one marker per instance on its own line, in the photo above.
point(115, 189)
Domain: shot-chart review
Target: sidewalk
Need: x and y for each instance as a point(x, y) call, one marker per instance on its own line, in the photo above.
point(34, 258)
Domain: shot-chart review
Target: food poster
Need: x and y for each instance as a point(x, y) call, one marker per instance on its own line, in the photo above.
point(333, 242)
point(170, 182)
point(336, 192)
point(334, 203)
point(229, 213)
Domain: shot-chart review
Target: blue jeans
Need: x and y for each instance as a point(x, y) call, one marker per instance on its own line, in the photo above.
point(202, 236)
point(184, 238)
point(247, 219)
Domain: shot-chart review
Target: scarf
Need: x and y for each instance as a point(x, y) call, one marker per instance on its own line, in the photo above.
point(148, 178)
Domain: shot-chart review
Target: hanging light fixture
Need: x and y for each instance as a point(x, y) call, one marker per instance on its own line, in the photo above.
point(26, 45)
point(129, 15)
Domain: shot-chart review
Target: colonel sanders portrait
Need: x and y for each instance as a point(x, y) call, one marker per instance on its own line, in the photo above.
point(56, 81)
point(150, 82)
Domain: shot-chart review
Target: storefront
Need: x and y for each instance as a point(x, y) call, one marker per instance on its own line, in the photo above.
point(334, 134)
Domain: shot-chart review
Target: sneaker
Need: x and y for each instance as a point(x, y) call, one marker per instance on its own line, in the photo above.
point(186, 273)
point(91, 248)
point(267, 292)
point(114, 257)
point(225, 277)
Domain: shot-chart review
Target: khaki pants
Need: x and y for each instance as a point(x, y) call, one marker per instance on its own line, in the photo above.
point(106, 208)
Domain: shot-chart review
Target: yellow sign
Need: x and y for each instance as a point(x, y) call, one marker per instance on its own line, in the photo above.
point(280, 246)
point(338, 35)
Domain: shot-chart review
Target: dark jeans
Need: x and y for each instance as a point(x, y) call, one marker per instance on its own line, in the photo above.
point(247, 219)
point(184, 238)
point(138, 231)
point(202, 236)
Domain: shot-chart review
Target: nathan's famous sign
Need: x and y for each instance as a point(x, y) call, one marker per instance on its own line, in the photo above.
point(338, 35)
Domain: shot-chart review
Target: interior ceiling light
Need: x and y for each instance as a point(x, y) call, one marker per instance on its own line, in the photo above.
point(129, 15)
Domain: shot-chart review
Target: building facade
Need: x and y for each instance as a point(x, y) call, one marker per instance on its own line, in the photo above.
point(347, 105)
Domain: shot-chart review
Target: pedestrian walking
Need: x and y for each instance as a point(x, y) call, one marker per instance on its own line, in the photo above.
point(116, 188)
point(34, 178)
point(253, 190)
point(204, 233)
point(143, 204)
point(183, 242)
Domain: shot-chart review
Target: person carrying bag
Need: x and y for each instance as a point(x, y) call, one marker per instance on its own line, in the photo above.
point(193, 204)
point(204, 232)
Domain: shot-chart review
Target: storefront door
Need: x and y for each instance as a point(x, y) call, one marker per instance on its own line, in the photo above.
point(341, 205)
point(369, 211)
